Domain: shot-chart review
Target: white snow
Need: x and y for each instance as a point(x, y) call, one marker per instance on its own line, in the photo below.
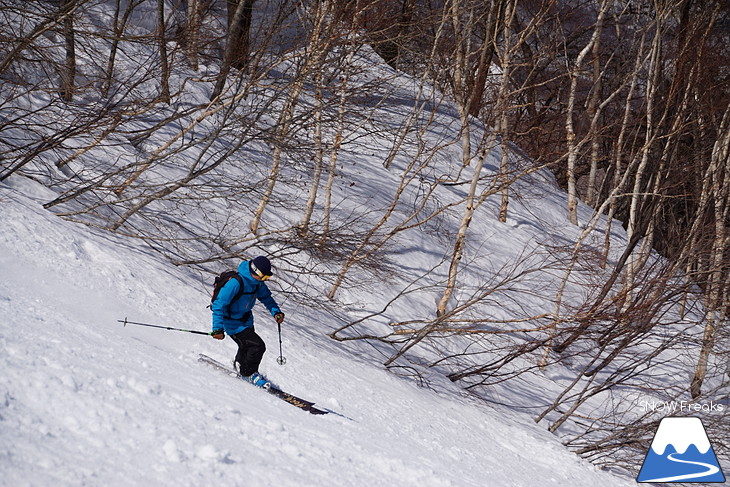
point(86, 401)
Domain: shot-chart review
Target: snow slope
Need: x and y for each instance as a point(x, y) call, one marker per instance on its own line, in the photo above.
point(85, 401)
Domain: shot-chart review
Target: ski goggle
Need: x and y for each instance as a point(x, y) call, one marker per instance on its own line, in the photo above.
point(261, 275)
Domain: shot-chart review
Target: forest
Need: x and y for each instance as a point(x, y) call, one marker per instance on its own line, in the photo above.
point(624, 103)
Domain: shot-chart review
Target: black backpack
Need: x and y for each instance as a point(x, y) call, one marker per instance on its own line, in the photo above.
point(221, 281)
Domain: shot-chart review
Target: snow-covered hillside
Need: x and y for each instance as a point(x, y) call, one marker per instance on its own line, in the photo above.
point(85, 401)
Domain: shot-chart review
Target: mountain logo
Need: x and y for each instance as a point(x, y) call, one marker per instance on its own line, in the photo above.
point(681, 452)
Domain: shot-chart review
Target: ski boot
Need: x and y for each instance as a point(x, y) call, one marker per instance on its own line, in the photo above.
point(258, 380)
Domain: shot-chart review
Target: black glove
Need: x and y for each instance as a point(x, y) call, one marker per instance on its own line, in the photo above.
point(218, 334)
point(279, 317)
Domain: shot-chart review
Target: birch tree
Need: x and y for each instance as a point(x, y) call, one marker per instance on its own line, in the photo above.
point(192, 31)
point(318, 42)
point(236, 52)
point(717, 282)
point(501, 105)
point(68, 71)
point(164, 61)
point(575, 74)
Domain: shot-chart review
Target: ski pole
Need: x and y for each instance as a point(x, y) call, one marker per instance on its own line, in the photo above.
point(163, 327)
point(281, 360)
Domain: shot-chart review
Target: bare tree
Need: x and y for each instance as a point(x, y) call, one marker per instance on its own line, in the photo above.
point(192, 31)
point(319, 41)
point(68, 70)
point(570, 114)
point(44, 24)
point(464, 97)
point(717, 282)
point(165, 74)
point(117, 34)
point(240, 16)
point(237, 48)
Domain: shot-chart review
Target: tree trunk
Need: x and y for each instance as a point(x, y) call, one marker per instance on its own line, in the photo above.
point(68, 72)
point(472, 202)
point(714, 304)
point(239, 22)
point(591, 196)
point(570, 137)
point(637, 197)
point(318, 46)
point(193, 32)
point(165, 74)
point(241, 25)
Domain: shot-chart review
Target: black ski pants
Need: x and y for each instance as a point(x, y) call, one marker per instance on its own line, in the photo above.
point(251, 350)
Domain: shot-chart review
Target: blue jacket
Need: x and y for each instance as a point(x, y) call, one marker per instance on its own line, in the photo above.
point(229, 316)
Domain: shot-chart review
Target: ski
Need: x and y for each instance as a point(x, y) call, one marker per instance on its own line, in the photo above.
point(273, 390)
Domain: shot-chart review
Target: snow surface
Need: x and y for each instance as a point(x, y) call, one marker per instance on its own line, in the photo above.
point(86, 401)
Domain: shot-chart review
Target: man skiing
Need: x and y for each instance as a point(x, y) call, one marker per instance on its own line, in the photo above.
point(232, 315)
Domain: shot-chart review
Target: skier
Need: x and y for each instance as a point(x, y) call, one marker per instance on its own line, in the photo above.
point(232, 315)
